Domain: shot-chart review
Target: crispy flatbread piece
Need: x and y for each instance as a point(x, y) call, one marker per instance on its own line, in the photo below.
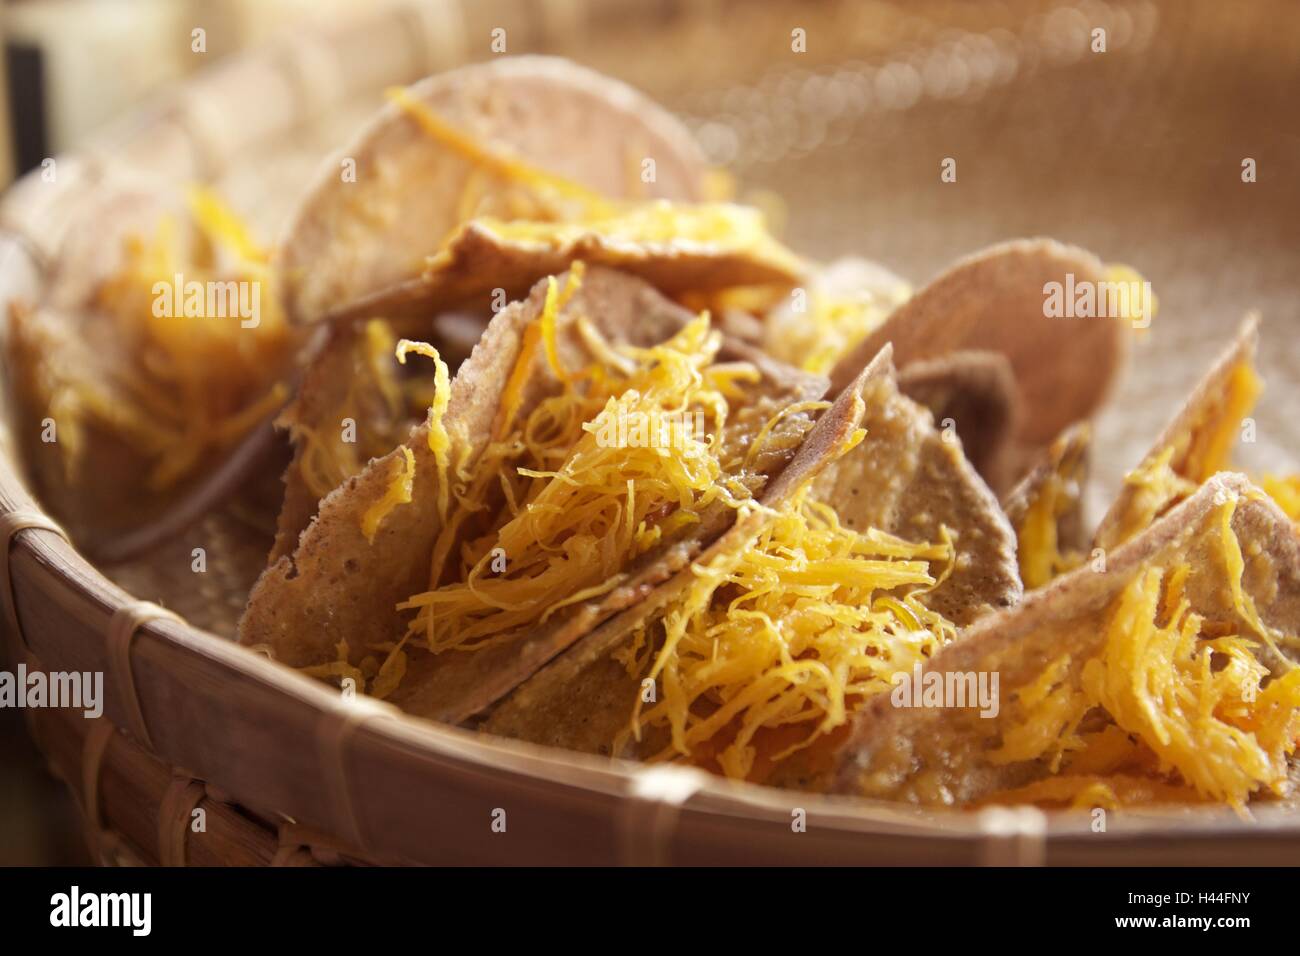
point(323, 389)
point(46, 350)
point(160, 415)
point(458, 686)
point(1196, 444)
point(941, 755)
point(92, 477)
point(994, 300)
point(338, 588)
point(911, 480)
point(351, 239)
point(975, 394)
point(353, 382)
point(480, 258)
point(93, 248)
point(585, 698)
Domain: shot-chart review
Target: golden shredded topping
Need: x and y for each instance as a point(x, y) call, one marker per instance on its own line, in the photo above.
point(197, 315)
point(624, 455)
point(786, 635)
point(1193, 712)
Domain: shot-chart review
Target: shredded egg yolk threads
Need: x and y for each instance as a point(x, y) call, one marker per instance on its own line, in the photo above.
point(793, 630)
point(398, 493)
point(624, 456)
point(550, 196)
point(657, 222)
point(1159, 682)
point(550, 210)
point(439, 440)
point(1038, 545)
point(1192, 711)
point(1157, 486)
point(200, 381)
point(830, 328)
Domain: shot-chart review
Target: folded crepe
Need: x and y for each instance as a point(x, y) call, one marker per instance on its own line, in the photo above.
point(996, 301)
point(1196, 444)
point(157, 349)
point(356, 400)
point(538, 498)
point(1045, 508)
point(480, 181)
point(463, 190)
point(972, 395)
point(1156, 669)
point(1165, 675)
point(866, 555)
point(679, 249)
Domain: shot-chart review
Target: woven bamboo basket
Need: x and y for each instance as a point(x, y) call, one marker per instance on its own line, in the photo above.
point(1135, 153)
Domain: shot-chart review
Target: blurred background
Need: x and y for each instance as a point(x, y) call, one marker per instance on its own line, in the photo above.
point(1119, 125)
